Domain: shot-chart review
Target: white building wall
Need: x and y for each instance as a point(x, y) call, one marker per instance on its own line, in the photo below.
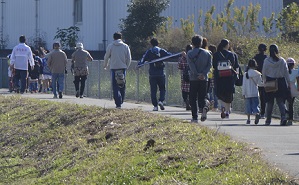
point(19, 17)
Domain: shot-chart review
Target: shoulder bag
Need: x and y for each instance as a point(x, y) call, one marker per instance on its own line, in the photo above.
point(271, 86)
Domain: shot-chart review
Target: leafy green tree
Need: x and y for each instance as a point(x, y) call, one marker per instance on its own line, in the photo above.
point(239, 16)
point(68, 37)
point(209, 22)
point(141, 23)
point(288, 22)
point(268, 24)
point(252, 17)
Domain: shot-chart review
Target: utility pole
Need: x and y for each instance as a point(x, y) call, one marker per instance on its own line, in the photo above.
point(36, 40)
point(2, 25)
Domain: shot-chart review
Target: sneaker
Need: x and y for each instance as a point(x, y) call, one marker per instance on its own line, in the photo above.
point(248, 122)
point(262, 116)
point(222, 113)
point(194, 120)
point(200, 110)
point(55, 97)
point(267, 123)
point(283, 122)
point(257, 119)
point(161, 105)
point(81, 96)
point(118, 107)
point(60, 95)
point(204, 115)
point(227, 115)
point(77, 94)
point(155, 109)
point(290, 122)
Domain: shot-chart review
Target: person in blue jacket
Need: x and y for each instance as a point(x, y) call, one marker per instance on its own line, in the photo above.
point(156, 73)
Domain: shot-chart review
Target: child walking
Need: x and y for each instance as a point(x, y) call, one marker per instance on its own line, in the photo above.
point(185, 84)
point(251, 80)
point(294, 80)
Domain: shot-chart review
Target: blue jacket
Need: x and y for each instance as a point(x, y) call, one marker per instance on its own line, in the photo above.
point(157, 68)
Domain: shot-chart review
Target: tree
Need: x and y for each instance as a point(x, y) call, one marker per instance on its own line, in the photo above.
point(288, 22)
point(68, 37)
point(268, 24)
point(141, 23)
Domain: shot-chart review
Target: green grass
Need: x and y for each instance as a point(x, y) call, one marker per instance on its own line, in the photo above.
point(44, 142)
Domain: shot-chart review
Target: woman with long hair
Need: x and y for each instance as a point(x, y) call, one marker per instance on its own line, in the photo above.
point(275, 68)
point(225, 85)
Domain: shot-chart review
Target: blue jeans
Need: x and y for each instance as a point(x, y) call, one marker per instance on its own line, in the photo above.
point(155, 82)
point(20, 75)
point(118, 92)
point(57, 79)
point(252, 105)
point(212, 96)
point(269, 109)
point(33, 86)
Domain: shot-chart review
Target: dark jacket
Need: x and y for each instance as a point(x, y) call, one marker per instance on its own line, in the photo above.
point(225, 86)
point(34, 74)
point(259, 58)
point(157, 68)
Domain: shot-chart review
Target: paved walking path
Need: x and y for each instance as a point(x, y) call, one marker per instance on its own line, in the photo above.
point(279, 144)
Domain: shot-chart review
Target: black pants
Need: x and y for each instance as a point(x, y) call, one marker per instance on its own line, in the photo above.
point(185, 95)
point(262, 94)
point(198, 94)
point(290, 101)
point(77, 81)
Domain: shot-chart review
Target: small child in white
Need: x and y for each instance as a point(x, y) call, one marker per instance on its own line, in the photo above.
point(251, 80)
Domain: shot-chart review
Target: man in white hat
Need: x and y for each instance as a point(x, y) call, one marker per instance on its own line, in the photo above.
point(80, 68)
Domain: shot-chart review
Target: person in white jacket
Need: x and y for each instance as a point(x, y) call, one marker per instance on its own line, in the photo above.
point(21, 55)
point(118, 56)
point(251, 81)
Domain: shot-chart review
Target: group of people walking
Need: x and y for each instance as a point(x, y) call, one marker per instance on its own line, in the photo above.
point(27, 69)
point(209, 75)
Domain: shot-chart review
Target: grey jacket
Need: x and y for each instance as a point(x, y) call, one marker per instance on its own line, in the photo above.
point(118, 55)
point(57, 61)
point(80, 58)
point(199, 64)
point(275, 69)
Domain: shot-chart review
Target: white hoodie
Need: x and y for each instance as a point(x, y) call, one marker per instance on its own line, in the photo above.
point(118, 55)
point(250, 86)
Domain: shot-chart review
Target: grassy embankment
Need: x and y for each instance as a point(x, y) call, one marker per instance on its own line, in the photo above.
point(44, 142)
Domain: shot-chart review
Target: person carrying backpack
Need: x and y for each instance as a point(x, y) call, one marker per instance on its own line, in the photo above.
point(156, 73)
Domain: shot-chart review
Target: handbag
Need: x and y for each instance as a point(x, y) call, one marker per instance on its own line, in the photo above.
point(271, 86)
point(239, 81)
point(224, 67)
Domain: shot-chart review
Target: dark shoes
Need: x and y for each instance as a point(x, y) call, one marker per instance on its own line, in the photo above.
point(257, 119)
point(204, 114)
point(161, 105)
point(77, 94)
point(60, 95)
point(283, 122)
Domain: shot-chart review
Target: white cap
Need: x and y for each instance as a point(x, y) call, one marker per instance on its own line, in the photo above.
point(79, 45)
